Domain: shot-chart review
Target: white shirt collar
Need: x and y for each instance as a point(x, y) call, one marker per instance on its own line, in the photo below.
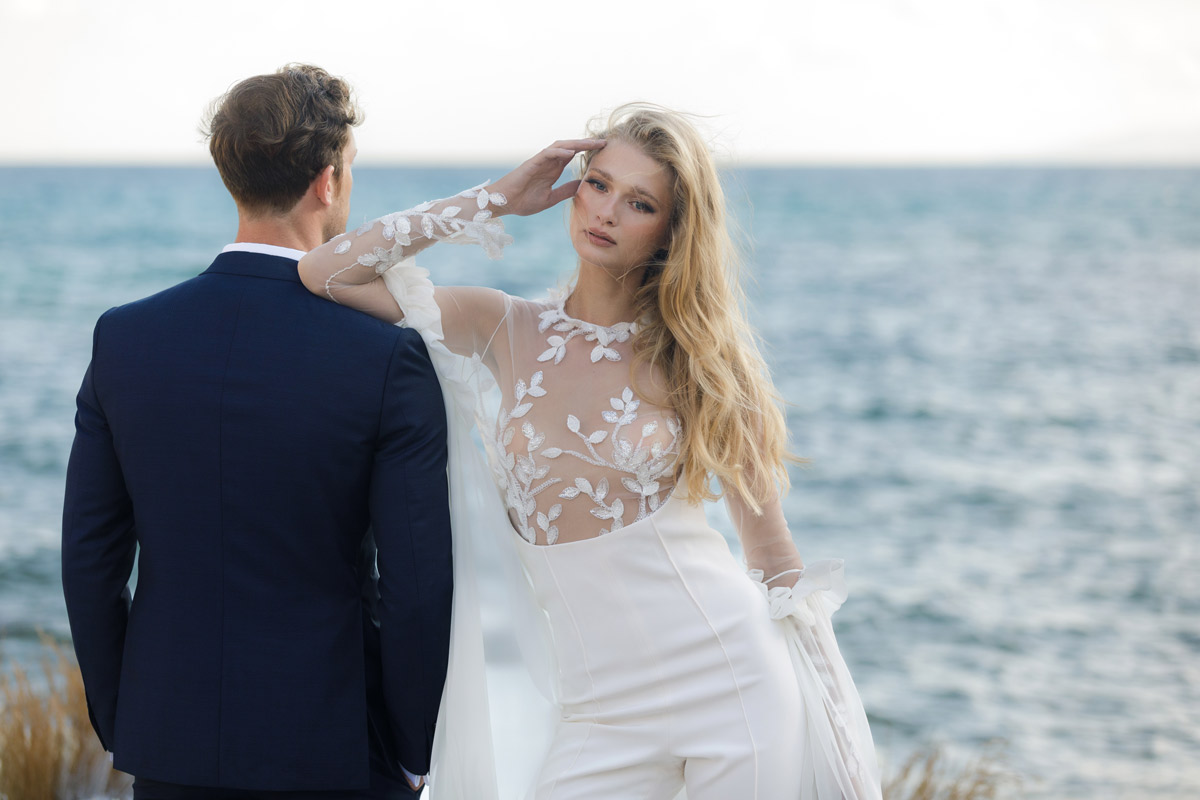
point(265, 249)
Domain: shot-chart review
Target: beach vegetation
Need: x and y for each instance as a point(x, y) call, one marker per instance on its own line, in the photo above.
point(48, 750)
point(930, 774)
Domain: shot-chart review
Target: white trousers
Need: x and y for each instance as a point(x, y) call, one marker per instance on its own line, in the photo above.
point(671, 673)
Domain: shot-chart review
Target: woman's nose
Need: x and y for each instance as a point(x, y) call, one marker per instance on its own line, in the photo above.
point(605, 213)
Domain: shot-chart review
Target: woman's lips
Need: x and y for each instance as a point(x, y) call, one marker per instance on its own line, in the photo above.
point(599, 239)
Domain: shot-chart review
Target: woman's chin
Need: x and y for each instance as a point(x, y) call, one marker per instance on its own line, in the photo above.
point(593, 257)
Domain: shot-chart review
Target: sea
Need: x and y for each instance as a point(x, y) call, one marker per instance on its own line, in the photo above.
point(994, 372)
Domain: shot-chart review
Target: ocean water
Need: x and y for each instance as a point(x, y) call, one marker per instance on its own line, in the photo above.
point(995, 373)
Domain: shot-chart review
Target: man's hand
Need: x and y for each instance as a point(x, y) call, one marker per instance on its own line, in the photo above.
point(530, 188)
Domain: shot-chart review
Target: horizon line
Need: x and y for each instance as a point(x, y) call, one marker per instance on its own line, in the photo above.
point(1047, 162)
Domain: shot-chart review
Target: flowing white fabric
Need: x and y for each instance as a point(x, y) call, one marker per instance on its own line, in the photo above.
point(839, 759)
point(463, 762)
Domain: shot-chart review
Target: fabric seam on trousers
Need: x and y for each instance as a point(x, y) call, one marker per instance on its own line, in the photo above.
point(587, 667)
point(728, 661)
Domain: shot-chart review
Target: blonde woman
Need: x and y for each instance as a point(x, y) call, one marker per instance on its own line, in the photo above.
point(622, 402)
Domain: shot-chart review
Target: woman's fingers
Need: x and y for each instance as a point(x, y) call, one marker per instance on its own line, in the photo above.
point(561, 193)
point(577, 145)
point(557, 156)
point(530, 187)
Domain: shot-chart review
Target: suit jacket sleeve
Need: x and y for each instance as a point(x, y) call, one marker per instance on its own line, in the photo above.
point(411, 519)
point(98, 548)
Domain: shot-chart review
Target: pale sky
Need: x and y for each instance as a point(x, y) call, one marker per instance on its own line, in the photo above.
point(803, 81)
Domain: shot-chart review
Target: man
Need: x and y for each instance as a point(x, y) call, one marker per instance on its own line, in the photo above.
point(250, 437)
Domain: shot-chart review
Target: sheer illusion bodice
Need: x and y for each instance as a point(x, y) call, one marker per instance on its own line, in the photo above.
point(576, 452)
point(576, 449)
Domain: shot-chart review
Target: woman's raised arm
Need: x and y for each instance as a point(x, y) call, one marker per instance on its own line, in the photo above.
point(348, 268)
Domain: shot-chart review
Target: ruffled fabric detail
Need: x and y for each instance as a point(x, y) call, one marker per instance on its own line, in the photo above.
point(414, 293)
point(413, 290)
point(823, 581)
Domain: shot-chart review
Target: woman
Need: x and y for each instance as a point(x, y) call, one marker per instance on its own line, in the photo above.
point(623, 400)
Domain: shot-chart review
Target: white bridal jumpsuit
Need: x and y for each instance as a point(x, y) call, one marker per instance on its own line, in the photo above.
point(671, 667)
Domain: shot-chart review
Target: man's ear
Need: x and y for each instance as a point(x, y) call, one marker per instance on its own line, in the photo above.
point(323, 186)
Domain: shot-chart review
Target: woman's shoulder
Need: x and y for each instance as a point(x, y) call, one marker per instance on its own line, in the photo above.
point(536, 307)
point(487, 306)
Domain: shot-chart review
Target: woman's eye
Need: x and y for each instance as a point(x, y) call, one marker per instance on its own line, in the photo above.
point(640, 206)
point(596, 184)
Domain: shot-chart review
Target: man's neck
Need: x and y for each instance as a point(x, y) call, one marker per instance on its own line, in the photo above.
point(279, 231)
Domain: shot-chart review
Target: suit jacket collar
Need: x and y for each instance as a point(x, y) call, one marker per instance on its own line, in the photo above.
point(263, 247)
point(255, 265)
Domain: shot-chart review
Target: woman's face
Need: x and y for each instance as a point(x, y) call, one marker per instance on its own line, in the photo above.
point(621, 214)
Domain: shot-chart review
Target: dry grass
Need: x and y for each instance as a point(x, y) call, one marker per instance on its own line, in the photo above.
point(925, 776)
point(48, 750)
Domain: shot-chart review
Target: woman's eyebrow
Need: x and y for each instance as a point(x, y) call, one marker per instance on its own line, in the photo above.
point(642, 190)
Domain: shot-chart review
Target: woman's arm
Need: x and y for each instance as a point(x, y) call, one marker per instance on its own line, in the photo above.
point(348, 268)
point(766, 541)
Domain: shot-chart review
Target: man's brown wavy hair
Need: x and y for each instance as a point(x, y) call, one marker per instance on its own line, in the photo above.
point(271, 135)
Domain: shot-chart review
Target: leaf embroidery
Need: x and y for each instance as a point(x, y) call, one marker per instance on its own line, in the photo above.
point(638, 464)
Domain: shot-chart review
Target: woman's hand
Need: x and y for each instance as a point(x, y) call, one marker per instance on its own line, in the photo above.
point(530, 189)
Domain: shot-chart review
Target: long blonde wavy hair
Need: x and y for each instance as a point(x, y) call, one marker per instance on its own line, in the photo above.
point(692, 321)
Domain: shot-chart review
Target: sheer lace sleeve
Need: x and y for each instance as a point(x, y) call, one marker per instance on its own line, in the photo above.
point(766, 541)
point(347, 268)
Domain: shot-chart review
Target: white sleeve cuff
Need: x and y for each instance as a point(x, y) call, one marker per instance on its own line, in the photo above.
point(415, 780)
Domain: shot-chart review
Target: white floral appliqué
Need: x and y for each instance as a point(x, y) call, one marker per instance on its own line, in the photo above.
point(643, 463)
point(403, 227)
point(567, 328)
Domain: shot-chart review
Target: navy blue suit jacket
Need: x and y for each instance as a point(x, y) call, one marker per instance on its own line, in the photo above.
point(248, 437)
